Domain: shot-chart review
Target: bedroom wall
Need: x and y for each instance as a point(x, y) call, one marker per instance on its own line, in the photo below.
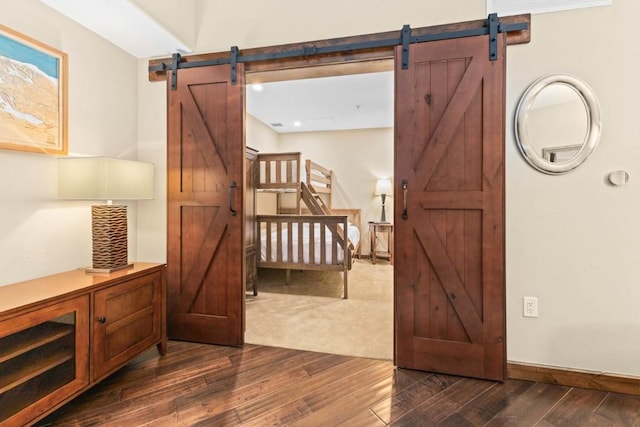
point(40, 235)
point(571, 240)
point(357, 158)
point(265, 140)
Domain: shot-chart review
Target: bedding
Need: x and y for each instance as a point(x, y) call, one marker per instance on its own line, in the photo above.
point(302, 234)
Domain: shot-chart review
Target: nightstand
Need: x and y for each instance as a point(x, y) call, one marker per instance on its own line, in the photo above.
point(374, 229)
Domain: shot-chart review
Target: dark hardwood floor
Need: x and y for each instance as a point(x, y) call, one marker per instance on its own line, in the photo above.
point(202, 385)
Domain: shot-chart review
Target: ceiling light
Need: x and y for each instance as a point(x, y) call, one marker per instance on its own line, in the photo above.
point(297, 123)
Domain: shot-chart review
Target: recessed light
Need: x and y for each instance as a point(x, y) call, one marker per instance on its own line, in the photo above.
point(297, 123)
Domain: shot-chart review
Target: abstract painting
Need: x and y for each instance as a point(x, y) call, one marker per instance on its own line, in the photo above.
point(33, 95)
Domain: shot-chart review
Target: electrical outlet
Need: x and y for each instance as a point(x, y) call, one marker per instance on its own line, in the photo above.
point(530, 306)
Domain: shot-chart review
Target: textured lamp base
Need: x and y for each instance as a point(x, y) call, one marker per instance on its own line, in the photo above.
point(109, 234)
point(383, 217)
point(107, 270)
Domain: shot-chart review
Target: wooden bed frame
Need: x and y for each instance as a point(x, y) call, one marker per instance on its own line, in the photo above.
point(280, 254)
point(282, 173)
point(354, 216)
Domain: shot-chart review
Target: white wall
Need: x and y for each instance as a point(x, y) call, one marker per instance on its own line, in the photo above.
point(180, 18)
point(572, 240)
point(357, 158)
point(152, 147)
point(260, 137)
point(40, 235)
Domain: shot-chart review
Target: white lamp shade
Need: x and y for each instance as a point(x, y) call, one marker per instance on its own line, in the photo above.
point(103, 178)
point(383, 186)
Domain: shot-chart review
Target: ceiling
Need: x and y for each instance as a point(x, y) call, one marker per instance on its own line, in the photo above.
point(357, 101)
point(124, 24)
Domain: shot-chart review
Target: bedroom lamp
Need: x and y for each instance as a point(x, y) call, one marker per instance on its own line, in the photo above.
point(103, 178)
point(383, 188)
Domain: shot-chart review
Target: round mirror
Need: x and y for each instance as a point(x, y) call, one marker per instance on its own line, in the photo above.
point(557, 123)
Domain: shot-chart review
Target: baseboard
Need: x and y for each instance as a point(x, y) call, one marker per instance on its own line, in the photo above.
point(574, 378)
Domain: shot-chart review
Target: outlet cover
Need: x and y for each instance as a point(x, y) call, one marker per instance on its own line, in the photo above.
point(530, 307)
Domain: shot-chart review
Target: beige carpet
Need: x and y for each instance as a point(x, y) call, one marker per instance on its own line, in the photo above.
point(310, 314)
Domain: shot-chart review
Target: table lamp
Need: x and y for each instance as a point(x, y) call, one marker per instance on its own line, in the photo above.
point(383, 188)
point(103, 178)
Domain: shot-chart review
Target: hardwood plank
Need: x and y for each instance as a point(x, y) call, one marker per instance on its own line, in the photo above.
point(442, 405)
point(364, 419)
point(403, 402)
point(282, 415)
point(201, 406)
point(177, 378)
point(343, 409)
point(122, 414)
point(456, 420)
point(531, 406)
point(259, 356)
point(326, 395)
point(482, 409)
point(244, 375)
point(617, 409)
point(307, 384)
point(326, 363)
point(227, 418)
point(189, 357)
point(216, 399)
point(575, 408)
point(341, 389)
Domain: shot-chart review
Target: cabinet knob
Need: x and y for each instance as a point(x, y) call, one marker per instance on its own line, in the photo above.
point(102, 319)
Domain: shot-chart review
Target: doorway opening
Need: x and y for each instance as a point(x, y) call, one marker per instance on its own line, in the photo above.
point(343, 121)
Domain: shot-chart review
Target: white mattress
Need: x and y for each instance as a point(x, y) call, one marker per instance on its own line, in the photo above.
point(352, 232)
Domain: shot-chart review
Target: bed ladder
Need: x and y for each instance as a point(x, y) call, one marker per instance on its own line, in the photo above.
point(313, 200)
point(318, 207)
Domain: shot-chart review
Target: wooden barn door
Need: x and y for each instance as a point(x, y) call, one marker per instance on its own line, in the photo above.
point(449, 271)
point(205, 188)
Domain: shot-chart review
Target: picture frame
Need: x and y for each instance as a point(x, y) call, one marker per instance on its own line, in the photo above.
point(33, 95)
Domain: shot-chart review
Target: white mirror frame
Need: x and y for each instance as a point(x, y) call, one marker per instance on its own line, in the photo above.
point(594, 123)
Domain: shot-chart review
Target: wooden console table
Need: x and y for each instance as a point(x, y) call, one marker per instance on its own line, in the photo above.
point(61, 334)
point(374, 229)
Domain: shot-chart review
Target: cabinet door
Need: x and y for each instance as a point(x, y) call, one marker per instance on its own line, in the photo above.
point(126, 321)
point(43, 360)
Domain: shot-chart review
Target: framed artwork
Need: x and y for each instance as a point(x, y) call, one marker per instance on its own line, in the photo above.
point(33, 95)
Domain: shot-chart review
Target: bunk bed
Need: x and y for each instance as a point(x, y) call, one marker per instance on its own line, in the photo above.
point(309, 237)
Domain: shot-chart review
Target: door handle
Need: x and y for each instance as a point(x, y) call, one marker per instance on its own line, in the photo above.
point(102, 319)
point(232, 188)
point(405, 184)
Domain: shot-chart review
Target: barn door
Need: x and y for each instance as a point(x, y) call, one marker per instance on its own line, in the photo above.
point(449, 271)
point(205, 206)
